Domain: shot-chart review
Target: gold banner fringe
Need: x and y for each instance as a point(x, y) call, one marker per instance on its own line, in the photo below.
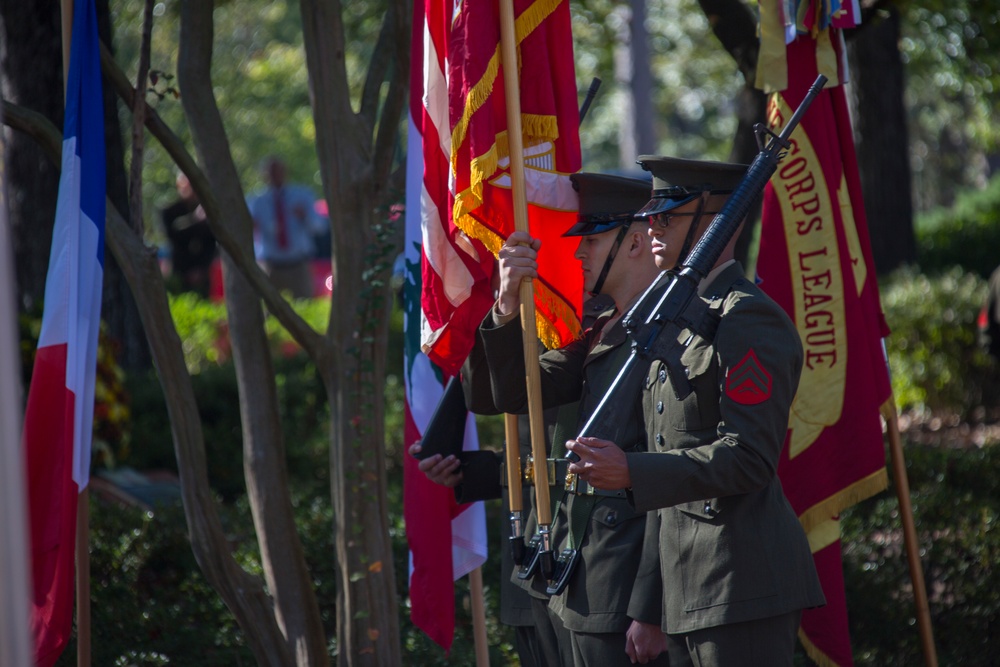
point(816, 655)
point(547, 331)
point(530, 19)
point(864, 488)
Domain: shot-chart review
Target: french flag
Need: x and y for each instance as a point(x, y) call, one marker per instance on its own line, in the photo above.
point(60, 410)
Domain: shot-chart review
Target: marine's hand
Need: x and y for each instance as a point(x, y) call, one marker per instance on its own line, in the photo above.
point(440, 470)
point(517, 261)
point(644, 641)
point(602, 463)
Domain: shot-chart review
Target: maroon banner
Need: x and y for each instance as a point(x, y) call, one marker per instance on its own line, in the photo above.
point(815, 260)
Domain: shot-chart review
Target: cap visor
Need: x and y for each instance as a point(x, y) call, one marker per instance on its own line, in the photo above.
point(661, 205)
point(587, 228)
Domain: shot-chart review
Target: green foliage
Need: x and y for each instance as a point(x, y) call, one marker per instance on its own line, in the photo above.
point(302, 408)
point(203, 328)
point(150, 605)
point(201, 325)
point(953, 74)
point(955, 495)
point(935, 362)
point(966, 234)
point(694, 82)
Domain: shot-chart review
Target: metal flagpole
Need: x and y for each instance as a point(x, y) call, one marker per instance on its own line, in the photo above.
point(15, 574)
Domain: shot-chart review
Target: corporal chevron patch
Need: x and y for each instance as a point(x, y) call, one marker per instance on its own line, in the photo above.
point(747, 382)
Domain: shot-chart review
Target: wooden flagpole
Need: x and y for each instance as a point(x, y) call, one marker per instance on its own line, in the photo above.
point(83, 579)
point(529, 334)
point(909, 532)
point(83, 502)
point(479, 617)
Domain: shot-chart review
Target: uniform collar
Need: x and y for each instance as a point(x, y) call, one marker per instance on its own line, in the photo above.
point(719, 278)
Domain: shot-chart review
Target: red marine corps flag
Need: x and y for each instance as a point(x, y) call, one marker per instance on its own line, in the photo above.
point(815, 261)
point(480, 180)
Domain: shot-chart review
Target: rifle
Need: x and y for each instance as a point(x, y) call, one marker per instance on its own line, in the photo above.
point(677, 309)
point(527, 556)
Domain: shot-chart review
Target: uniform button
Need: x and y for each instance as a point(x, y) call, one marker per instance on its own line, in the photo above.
point(659, 438)
point(612, 518)
point(663, 375)
point(659, 407)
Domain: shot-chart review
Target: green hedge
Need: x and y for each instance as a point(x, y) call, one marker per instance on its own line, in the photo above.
point(966, 234)
point(934, 359)
point(955, 493)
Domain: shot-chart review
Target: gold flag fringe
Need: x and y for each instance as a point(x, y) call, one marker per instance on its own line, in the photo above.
point(535, 129)
point(816, 655)
point(562, 311)
point(865, 487)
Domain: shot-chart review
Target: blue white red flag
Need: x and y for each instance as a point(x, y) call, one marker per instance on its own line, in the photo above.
point(447, 540)
point(58, 421)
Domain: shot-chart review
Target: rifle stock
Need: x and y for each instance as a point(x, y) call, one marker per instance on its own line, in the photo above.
point(677, 309)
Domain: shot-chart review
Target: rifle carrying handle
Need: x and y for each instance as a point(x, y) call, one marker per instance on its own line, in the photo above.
point(711, 245)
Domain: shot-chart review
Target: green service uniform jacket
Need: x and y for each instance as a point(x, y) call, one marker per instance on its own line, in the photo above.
point(731, 548)
point(607, 590)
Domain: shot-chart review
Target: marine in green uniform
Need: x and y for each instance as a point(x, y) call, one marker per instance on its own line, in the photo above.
point(737, 569)
point(610, 606)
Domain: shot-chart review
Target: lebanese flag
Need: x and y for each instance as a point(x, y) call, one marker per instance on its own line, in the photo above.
point(467, 65)
point(58, 421)
point(815, 260)
point(446, 540)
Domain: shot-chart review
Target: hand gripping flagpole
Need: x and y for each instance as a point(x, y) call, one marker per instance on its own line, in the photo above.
point(529, 335)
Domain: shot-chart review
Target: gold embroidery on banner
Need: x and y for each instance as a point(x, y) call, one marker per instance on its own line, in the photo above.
point(817, 284)
point(858, 266)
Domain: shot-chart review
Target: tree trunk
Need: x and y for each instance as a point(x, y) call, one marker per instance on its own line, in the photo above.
point(32, 75)
point(636, 134)
point(295, 607)
point(119, 309)
point(355, 154)
point(736, 27)
point(882, 139)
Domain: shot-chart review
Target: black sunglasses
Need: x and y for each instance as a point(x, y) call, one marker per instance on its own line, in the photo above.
point(662, 220)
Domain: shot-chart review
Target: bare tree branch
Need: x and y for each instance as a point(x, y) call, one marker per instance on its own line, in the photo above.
point(303, 334)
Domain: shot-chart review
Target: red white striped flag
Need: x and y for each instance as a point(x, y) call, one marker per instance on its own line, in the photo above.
point(58, 421)
point(446, 540)
point(815, 260)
